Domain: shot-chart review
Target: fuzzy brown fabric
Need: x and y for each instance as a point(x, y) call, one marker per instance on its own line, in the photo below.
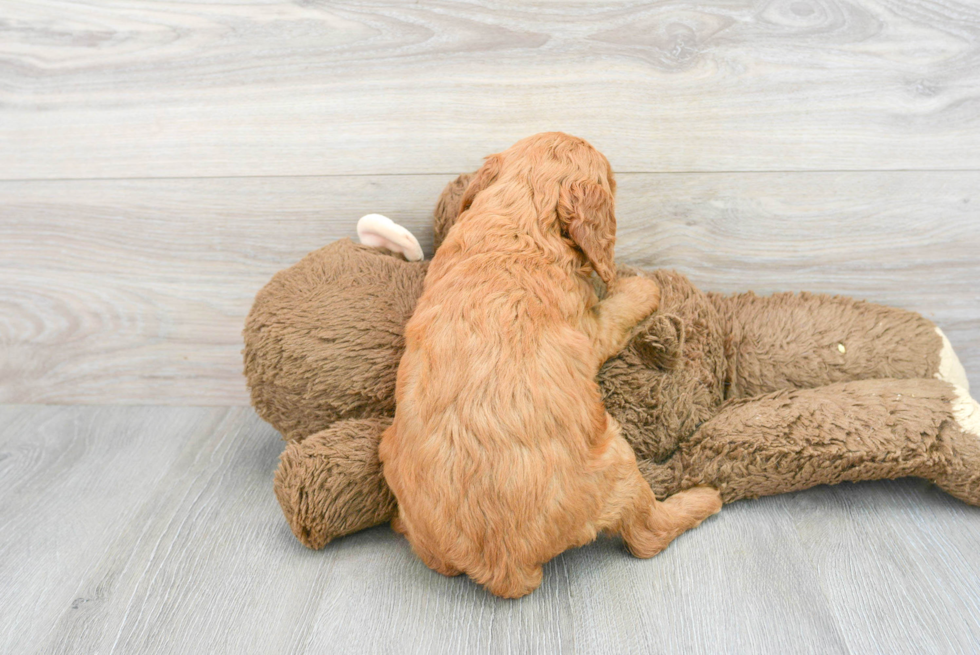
point(754, 396)
point(324, 337)
point(447, 206)
point(343, 459)
point(794, 439)
point(671, 377)
point(791, 341)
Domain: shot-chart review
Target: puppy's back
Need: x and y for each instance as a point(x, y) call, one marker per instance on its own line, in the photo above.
point(489, 465)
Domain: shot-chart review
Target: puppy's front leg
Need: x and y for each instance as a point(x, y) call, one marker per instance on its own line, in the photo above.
point(630, 300)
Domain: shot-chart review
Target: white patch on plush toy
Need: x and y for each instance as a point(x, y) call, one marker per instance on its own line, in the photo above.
point(381, 232)
point(950, 369)
point(967, 412)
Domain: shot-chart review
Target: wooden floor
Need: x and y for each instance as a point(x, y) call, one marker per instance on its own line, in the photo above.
point(160, 161)
point(154, 529)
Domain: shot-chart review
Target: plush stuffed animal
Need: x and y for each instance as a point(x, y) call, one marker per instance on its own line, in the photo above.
point(751, 395)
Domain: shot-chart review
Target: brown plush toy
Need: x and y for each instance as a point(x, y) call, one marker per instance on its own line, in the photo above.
point(751, 395)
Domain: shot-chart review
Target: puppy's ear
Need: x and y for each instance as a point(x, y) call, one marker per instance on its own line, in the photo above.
point(481, 180)
point(587, 212)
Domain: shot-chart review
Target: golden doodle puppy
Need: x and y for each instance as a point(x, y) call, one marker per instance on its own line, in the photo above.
point(501, 454)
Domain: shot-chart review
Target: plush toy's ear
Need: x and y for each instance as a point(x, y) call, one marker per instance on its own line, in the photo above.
point(587, 213)
point(481, 180)
point(380, 231)
point(447, 207)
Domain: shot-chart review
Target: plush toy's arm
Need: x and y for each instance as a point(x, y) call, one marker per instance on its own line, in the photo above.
point(331, 483)
point(800, 341)
point(866, 430)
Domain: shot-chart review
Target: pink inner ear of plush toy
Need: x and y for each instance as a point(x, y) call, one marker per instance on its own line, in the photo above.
point(381, 232)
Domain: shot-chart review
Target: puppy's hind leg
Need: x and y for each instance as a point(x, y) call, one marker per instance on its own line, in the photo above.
point(515, 582)
point(651, 529)
point(646, 525)
point(423, 550)
point(435, 563)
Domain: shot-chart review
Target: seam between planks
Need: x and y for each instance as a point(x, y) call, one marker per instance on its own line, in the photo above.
point(442, 174)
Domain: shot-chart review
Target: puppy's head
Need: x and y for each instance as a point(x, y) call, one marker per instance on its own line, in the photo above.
point(571, 186)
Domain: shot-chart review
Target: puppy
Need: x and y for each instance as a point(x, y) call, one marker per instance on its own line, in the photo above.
point(501, 454)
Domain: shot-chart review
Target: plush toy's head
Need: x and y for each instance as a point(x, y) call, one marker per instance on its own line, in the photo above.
point(324, 337)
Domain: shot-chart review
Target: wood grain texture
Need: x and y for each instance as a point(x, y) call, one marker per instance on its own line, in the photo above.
point(154, 530)
point(135, 291)
point(139, 89)
point(923, 591)
point(70, 482)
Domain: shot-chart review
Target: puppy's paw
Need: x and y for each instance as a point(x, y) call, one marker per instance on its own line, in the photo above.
point(677, 514)
point(699, 502)
point(643, 293)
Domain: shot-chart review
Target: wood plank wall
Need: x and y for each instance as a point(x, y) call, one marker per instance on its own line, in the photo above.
point(158, 163)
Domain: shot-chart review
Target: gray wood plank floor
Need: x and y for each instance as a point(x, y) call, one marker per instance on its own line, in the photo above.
point(153, 529)
point(160, 161)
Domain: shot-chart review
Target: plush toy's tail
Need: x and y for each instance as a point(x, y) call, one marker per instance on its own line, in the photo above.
point(865, 430)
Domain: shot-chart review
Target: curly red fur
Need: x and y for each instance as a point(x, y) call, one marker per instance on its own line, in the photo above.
point(501, 454)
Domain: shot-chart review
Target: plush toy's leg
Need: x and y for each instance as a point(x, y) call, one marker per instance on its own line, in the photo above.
point(950, 368)
point(962, 479)
point(865, 430)
point(800, 341)
point(331, 483)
